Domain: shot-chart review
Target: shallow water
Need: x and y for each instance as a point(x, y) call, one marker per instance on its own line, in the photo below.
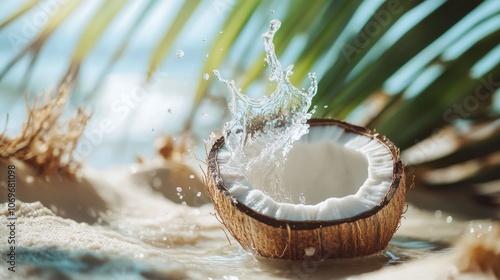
point(144, 235)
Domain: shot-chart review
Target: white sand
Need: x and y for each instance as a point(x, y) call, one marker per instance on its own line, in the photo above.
point(118, 224)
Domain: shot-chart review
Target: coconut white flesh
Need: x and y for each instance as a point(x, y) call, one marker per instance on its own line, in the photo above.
point(340, 174)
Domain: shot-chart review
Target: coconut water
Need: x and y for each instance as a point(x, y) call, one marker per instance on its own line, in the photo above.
point(262, 130)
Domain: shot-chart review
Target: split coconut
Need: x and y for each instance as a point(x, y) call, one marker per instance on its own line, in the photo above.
point(289, 187)
point(354, 184)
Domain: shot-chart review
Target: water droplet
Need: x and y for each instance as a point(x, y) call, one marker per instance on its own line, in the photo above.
point(272, 11)
point(309, 251)
point(449, 219)
point(156, 182)
point(181, 196)
point(326, 106)
point(206, 55)
point(302, 198)
point(198, 194)
point(183, 203)
point(288, 125)
point(180, 53)
point(204, 115)
point(169, 111)
point(191, 176)
point(220, 32)
point(206, 76)
point(179, 189)
point(438, 214)
point(30, 179)
point(53, 208)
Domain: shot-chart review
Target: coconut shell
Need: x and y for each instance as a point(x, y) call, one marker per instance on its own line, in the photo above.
point(360, 235)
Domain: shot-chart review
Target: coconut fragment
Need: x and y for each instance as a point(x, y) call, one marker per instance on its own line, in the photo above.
point(354, 184)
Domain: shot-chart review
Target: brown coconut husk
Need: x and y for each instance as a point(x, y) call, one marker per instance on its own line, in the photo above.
point(364, 234)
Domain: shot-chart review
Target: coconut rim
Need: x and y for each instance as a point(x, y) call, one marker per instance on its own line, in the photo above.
point(397, 173)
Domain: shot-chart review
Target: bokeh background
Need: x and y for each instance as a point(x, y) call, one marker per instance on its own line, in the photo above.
point(424, 73)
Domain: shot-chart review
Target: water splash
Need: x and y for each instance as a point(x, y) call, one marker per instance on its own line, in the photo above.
point(262, 131)
point(179, 53)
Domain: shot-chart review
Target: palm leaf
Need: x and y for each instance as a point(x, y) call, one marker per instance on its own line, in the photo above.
point(360, 50)
point(122, 46)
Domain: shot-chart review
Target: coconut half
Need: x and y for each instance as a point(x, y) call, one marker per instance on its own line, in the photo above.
point(353, 183)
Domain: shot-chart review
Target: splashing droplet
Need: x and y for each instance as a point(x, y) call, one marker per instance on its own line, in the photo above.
point(191, 176)
point(180, 53)
point(198, 194)
point(179, 189)
point(449, 219)
point(261, 133)
point(206, 76)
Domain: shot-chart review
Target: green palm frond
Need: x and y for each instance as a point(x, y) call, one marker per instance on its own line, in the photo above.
point(404, 66)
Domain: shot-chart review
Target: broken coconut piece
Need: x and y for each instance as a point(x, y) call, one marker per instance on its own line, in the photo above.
point(354, 184)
